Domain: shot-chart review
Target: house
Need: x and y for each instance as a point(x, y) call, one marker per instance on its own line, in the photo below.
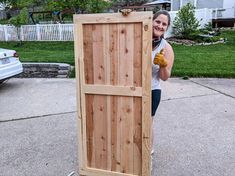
point(198, 4)
point(223, 11)
point(161, 4)
point(148, 6)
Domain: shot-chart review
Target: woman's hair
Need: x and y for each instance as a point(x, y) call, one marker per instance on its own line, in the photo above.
point(163, 12)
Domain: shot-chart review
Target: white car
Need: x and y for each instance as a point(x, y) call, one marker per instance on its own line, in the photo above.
point(10, 64)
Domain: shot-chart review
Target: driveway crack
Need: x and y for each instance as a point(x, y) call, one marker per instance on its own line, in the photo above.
point(194, 96)
point(213, 89)
point(39, 116)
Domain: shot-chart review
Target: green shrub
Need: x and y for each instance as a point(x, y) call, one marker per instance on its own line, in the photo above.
point(19, 20)
point(208, 26)
point(185, 24)
point(212, 39)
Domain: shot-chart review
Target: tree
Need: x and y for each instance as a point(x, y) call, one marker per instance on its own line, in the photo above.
point(78, 6)
point(21, 19)
point(4, 5)
point(97, 6)
point(18, 4)
point(129, 2)
point(185, 24)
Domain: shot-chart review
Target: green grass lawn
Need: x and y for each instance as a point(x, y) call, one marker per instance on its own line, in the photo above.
point(43, 51)
point(193, 61)
point(206, 61)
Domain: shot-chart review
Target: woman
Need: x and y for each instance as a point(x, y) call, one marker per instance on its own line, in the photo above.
point(162, 62)
point(162, 56)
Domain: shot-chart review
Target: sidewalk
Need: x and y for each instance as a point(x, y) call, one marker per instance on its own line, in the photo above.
point(195, 128)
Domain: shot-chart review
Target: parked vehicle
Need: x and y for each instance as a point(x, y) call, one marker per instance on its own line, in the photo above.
point(10, 64)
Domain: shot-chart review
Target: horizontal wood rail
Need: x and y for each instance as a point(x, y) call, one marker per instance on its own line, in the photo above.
point(98, 172)
point(113, 90)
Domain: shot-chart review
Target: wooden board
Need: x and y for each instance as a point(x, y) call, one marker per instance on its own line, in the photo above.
point(113, 70)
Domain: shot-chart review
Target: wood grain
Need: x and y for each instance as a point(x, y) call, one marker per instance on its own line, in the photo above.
point(113, 55)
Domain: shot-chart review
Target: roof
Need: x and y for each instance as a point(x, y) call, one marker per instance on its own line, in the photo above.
point(159, 2)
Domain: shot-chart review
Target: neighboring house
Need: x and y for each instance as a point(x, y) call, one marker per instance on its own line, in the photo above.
point(223, 10)
point(199, 4)
point(161, 4)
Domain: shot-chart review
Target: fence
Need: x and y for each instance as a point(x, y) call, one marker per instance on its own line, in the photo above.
point(45, 32)
point(64, 32)
point(223, 13)
point(3, 15)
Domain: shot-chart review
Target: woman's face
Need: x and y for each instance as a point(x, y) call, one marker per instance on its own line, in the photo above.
point(160, 25)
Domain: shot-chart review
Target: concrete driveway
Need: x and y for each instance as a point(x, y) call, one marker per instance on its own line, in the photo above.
point(194, 126)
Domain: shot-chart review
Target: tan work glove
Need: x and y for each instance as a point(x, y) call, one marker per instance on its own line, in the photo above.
point(160, 60)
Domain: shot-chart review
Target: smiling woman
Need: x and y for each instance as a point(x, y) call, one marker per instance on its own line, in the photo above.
point(162, 56)
point(10, 64)
point(162, 62)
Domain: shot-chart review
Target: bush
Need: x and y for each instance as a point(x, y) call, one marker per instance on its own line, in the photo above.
point(19, 20)
point(211, 39)
point(185, 24)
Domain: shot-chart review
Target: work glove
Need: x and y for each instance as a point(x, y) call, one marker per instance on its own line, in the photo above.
point(160, 60)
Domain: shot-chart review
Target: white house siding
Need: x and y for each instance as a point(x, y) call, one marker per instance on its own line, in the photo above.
point(184, 2)
point(175, 5)
point(210, 4)
point(229, 4)
point(200, 4)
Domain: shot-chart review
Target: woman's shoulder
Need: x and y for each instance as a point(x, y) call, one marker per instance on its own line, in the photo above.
point(167, 44)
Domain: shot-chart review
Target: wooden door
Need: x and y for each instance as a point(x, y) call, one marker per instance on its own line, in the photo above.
point(113, 70)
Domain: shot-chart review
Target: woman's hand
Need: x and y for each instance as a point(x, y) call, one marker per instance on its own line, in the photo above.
point(160, 59)
point(168, 55)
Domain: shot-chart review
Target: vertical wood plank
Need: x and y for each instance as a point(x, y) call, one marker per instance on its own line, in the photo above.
point(114, 53)
point(90, 131)
point(126, 104)
point(98, 54)
point(79, 52)
point(88, 54)
point(126, 55)
point(115, 128)
point(115, 163)
point(146, 98)
point(137, 137)
point(126, 121)
point(118, 142)
point(107, 61)
point(78, 56)
point(88, 71)
point(138, 55)
point(121, 81)
point(100, 132)
point(100, 102)
point(137, 101)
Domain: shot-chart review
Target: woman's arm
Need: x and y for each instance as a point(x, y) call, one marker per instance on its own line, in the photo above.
point(165, 72)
